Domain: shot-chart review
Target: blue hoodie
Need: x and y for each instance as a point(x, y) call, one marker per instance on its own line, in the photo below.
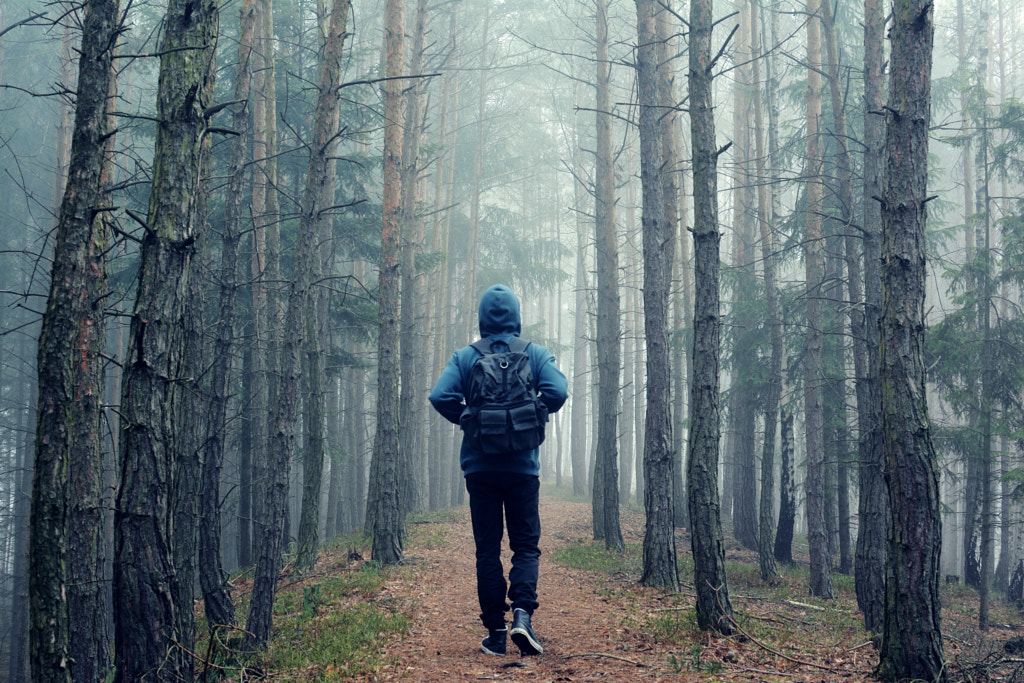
point(499, 322)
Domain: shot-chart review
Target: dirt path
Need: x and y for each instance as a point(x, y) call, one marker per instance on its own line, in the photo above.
point(585, 635)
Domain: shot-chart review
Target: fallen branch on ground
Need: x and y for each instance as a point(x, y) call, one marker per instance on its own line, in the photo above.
point(774, 652)
point(605, 654)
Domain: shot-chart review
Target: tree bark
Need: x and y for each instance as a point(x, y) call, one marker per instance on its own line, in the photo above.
point(470, 298)
point(609, 330)
point(219, 608)
point(68, 632)
point(853, 276)
point(873, 503)
point(302, 302)
point(412, 305)
point(987, 392)
point(631, 387)
point(388, 524)
point(144, 580)
point(19, 668)
point(336, 456)
point(658, 235)
point(912, 637)
point(581, 346)
point(265, 501)
point(766, 511)
point(187, 473)
point(245, 461)
point(713, 606)
point(673, 189)
point(742, 413)
point(817, 541)
point(442, 433)
point(787, 504)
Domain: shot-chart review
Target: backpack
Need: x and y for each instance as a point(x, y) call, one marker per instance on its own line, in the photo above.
point(503, 412)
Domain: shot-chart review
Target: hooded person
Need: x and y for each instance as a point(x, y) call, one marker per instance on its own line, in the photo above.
point(503, 488)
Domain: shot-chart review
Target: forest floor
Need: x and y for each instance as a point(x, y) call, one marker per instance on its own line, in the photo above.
point(418, 622)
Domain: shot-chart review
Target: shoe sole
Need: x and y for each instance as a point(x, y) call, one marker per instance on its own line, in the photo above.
point(526, 644)
point(491, 652)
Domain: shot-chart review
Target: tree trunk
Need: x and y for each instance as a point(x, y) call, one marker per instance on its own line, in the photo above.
point(273, 279)
point(631, 387)
point(912, 638)
point(144, 580)
point(470, 298)
point(245, 463)
point(787, 504)
point(606, 492)
point(220, 611)
point(19, 668)
point(672, 179)
point(317, 200)
point(265, 502)
point(742, 415)
point(386, 505)
point(336, 456)
point(834, 402)
point(187, 473)
point(581, 346)
point(1009, 517)
point(315, 401)
point(659, 535)
point(817, 540)
point(766, 511)
point(873, 504)
point(68, 632)
point(987, 391)
point(713, 607)
point(849, 246)
point(972, 498)
point(442, 433)
point(412, 282)
point(639, 406)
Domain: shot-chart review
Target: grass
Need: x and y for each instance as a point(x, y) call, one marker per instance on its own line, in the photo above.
point(328, 644)
point(432, 530)
point(328, 626)
point(780, 614)
point(593, 556)
point(335, 624)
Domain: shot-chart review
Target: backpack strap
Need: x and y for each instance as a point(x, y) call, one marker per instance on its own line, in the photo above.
point(516, 345)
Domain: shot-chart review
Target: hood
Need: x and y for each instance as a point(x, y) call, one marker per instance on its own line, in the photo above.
point(499, 312)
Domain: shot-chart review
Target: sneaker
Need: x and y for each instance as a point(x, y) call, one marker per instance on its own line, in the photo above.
point(494, 643)
point(523, 635)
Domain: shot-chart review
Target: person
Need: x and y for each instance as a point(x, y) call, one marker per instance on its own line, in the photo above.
point(508, 483)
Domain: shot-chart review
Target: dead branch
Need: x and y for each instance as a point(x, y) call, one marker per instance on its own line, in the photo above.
point(776, 652)
point(605, 654)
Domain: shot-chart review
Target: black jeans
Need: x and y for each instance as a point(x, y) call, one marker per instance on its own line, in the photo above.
point(490, 494)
